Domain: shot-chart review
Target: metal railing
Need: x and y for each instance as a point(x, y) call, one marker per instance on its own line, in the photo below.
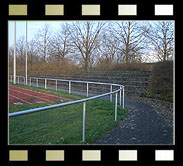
point(36, 80)
point(19, 79)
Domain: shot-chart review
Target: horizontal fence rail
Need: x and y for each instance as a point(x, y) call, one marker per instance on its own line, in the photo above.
point(19, 79)
point(44, 82)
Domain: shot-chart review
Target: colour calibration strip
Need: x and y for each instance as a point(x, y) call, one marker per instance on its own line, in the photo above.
point(91, 155)
point(55, 155)
point(20, 10)
point(91, 10)
point(127, 10)
point(18, 155)
point(54, 10)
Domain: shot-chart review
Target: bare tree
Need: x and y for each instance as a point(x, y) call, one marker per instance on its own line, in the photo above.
point(131, 35)
point(84, 38)
point(33, 57)
point(108, 50)
point(59, 46)
point(107, 57)
point(42, 41)
point(10, 62)
point(161, 38)
point(20, 51)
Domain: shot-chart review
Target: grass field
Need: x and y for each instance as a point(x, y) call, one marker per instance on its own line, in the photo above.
point(63, 125)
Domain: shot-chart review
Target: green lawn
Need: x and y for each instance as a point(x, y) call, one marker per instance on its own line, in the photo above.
point(63, 125)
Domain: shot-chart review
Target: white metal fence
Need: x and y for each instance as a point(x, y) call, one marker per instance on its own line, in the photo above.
point(19, 79)
point(68, 85)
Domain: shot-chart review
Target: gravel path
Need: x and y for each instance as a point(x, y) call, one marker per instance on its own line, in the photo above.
point(148, 122)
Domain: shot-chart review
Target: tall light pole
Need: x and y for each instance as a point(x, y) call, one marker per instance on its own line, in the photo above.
point(26, 57)
point(14, 63)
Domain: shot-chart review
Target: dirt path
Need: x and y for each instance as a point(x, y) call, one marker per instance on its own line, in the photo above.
point(142, 126)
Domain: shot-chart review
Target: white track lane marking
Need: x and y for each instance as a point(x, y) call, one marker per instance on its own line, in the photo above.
point(20, 99)
point(31, 95)
point(37, 92)
point(18, 103)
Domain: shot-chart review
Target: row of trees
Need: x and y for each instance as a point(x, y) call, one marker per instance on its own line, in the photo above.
point(96, 44)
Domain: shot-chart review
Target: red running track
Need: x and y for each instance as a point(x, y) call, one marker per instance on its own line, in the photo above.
point(19, 96)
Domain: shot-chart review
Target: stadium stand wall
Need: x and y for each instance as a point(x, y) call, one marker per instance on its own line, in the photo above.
point(136, 82)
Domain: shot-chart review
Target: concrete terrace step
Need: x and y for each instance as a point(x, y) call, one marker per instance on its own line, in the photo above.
point(136, 82)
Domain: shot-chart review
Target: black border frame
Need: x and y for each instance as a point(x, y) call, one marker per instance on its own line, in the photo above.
point(73, 153)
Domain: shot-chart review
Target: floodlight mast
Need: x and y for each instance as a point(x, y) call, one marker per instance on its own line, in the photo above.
point(14, 63)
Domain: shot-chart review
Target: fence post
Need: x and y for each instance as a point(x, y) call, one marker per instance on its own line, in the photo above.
point(120, 96)
point(45, 83)
point(87, 89)
point(37, 82)
point(30, 81)
point(24, 80)
point(18, 79)
point(84, 118)
point(116, 104)
point(69, 87)
point(123, 97)
point(56, 85)
point(111, 95)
